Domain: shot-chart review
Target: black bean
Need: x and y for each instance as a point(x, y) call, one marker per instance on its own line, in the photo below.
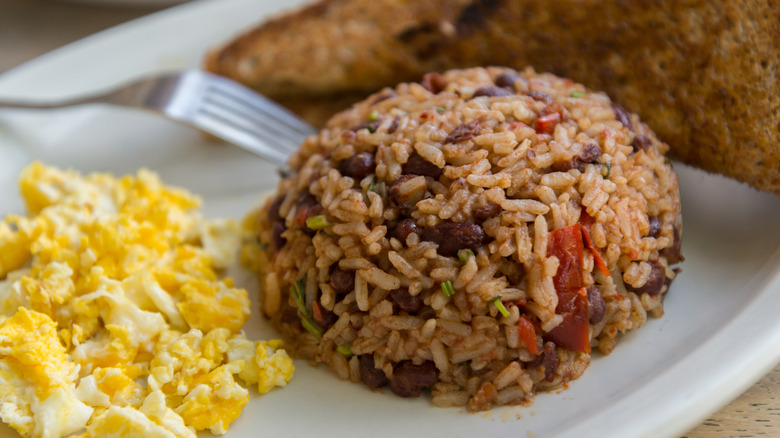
point(358, 166)
point(326, 318)
point(273, 209)
point(417, 165)
point(454, 236)
point(654, 284)
point(655, 226)
point(641, 142)
point(673, 254)
point(306, 199)
point(403, 229)
point(393, 126)
point(405, 301)
point(410, 379)
point(596, 305)
point(492, 91)
point(622, 116)
point(540, 96)
point(506, 80)
point(343, 282)
point(565, 166)
point(404, 202)
point(591, 152)
point(372, 377)
point(463, 132)
point(487, 211)
point(277, 229)
point(548, 359)
point(433, 82)
point(371, 125)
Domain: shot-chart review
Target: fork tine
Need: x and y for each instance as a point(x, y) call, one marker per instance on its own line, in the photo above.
point(221, 124)
point(273, 110)
point(252, 120)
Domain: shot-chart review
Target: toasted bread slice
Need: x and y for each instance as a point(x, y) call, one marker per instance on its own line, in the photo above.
point(702, 73)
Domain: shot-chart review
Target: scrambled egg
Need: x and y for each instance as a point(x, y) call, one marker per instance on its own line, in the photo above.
point(113, 321)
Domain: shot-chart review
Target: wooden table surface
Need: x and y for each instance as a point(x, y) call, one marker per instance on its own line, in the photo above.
point(29, 28)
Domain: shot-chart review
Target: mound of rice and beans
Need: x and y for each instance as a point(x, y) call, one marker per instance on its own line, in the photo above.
point(477, 235)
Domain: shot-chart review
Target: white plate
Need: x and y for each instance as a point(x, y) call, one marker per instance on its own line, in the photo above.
point(720, 334)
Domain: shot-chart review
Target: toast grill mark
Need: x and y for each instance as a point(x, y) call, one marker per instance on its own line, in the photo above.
point(475, 16)
point(425, 40)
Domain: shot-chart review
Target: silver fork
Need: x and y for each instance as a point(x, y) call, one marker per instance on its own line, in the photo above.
point(210, 103)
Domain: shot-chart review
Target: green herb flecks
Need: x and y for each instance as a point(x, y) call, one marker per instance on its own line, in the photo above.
point(345, 350)
point(606, 171)
point(441, 109)
point(372, 186)
point(373, 116)
point(578, 93)
point(296, 290)
point(311, 327)
point(464, 254)
point(447, 288)
point(317, 222)
point(499, 305)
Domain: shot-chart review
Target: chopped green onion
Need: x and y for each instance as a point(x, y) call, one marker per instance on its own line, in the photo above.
point(441, 109)
point(317, 222)
point(297, 292)
point(372, 187)
point(578, 93)
point(464, 254)
point(500, 306)
point(607, 170)
point(345, 349)
point(373, 116)
point(311, 327)
point(447, 288)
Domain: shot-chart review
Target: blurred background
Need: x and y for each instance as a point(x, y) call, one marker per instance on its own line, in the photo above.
point(29, 28)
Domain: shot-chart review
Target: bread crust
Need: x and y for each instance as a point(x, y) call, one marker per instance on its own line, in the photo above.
point(701, 73)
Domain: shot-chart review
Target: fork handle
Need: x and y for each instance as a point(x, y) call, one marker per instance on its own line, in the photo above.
point(23, 104)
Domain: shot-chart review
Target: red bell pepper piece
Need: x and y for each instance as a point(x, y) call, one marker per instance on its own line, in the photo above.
point(587, 220)
point(572, 332)
point(600, 265)
point(528, 334)
point(546, 123)
point(317, 312)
